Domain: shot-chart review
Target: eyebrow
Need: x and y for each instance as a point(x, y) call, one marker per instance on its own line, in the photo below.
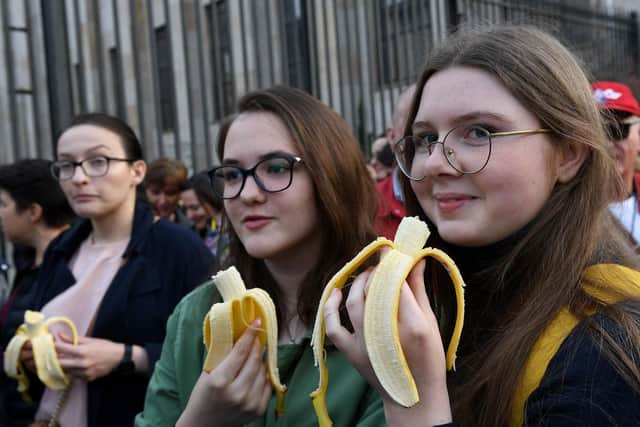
point(270, 154)
point(89, 150)
point(465, 118)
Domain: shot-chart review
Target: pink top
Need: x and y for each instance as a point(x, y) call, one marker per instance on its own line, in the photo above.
point(94, 265)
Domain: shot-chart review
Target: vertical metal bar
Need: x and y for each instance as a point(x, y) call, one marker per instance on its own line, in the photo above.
point(157, 104)
point(381, 84)
point(176, 125)
point(205, 109)
point(284, 46)
point(339, 54)
point(244, 47)
point(56, 39)
point(102, 93)
point(270, 52)
point(121, 104)
point(136, 68)
point(297, 51)
point(314, 31)
point(406, 29)
point(350, 81)
point(82, 91)
point(13, 107)
point(32, 72)
point(327, 55)
point(217, 64)
point(370, 26)
point(361, 73)
point(256, 43)
point(187, 70)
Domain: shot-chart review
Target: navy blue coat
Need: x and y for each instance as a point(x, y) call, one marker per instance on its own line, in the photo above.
point(162, 263)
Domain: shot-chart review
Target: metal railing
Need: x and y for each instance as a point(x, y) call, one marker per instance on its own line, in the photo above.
point(173, 68)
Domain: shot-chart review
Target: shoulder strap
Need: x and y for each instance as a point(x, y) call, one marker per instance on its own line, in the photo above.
point(621, 283)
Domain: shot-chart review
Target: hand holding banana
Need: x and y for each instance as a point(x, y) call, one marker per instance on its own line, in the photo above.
point(379, 321)
point(35, 329)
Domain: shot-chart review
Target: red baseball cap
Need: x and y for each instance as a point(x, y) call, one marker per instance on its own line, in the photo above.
point(615, 96)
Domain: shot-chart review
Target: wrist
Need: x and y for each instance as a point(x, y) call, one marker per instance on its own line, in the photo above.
point(126, 366)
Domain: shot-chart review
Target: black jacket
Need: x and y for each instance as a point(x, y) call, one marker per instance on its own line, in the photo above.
point(163, 262)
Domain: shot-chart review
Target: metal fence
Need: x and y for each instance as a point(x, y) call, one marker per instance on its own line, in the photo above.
point(173, 68)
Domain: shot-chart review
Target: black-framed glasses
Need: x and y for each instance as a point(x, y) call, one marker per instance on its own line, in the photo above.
point(272, 174)
point(617, 131)
point(93, 167)
point(466, 148)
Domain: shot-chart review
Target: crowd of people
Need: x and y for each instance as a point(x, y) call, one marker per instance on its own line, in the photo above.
point(522, 167)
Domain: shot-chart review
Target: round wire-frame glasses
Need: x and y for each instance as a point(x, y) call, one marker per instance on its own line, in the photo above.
point(466, 148)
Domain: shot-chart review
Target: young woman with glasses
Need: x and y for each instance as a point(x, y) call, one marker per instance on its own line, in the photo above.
point(117, 274)
point(300, 204)
point(505, 157)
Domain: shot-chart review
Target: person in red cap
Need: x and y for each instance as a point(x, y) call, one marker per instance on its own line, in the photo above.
point(623, 128)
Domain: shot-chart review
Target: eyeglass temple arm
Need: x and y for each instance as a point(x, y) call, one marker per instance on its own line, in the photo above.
point(521, 132)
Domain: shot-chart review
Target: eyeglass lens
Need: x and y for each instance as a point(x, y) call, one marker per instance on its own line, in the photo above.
point(466, 148)
point(94, 167)
point(272, 175)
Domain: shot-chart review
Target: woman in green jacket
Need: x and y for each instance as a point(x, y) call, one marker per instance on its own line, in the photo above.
point(300, 205)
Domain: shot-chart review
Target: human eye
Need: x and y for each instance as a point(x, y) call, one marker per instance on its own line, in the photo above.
point(276, 165)
point(475, 135)
point(229, 174)
point(424, 141)
point(96, 162)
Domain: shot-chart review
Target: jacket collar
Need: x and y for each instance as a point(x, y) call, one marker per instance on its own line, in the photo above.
point(72, 238)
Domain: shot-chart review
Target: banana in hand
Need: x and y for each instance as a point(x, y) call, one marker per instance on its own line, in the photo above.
point(36, 329)
point(227, 321)
point(381, 313)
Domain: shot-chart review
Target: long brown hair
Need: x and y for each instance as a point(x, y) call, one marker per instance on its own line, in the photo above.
point(344, 193)
point(574, 229)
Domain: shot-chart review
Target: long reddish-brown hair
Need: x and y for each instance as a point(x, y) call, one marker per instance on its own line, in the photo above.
point(542, 271)
point(344, 192)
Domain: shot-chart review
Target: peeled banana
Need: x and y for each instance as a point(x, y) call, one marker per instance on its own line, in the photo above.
point(226, 322)
point(36, 329)
point(381, 313)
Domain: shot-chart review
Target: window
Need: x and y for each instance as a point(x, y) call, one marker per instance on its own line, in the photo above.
point(165, 78)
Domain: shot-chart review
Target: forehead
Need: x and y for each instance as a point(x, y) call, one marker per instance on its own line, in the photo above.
point(460, 90)
point(88, 139)
point(254, 134)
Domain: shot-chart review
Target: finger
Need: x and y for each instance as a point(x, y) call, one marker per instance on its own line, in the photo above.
point(67, 350)
point(230, 366)
point(334, 329)
point(255, 392)
point(252, 368)
point(266, 396)
point(417, 285)
point(355, 299)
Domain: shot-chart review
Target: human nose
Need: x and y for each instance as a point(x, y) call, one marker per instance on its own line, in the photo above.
point(437, 163)
point(251, 190)
point(78, 175)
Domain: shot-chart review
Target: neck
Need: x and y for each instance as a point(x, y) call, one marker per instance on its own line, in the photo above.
point(290, 269)
point(117, 225)
point(43, 236)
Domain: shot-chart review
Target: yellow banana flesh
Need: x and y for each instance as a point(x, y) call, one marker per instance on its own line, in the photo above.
point(381, 313)
point(226, 322)
point(36, 329)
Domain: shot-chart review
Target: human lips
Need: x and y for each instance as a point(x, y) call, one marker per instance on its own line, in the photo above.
point(83, 197)
point(451, 202)
point(255, 222)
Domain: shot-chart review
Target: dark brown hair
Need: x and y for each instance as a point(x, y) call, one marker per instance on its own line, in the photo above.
point(167, 174)
point(542, 271)
point(344, 193)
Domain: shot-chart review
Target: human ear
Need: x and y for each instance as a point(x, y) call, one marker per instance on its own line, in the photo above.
point(139, 168)
point(34, 211)
point(571, 156)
